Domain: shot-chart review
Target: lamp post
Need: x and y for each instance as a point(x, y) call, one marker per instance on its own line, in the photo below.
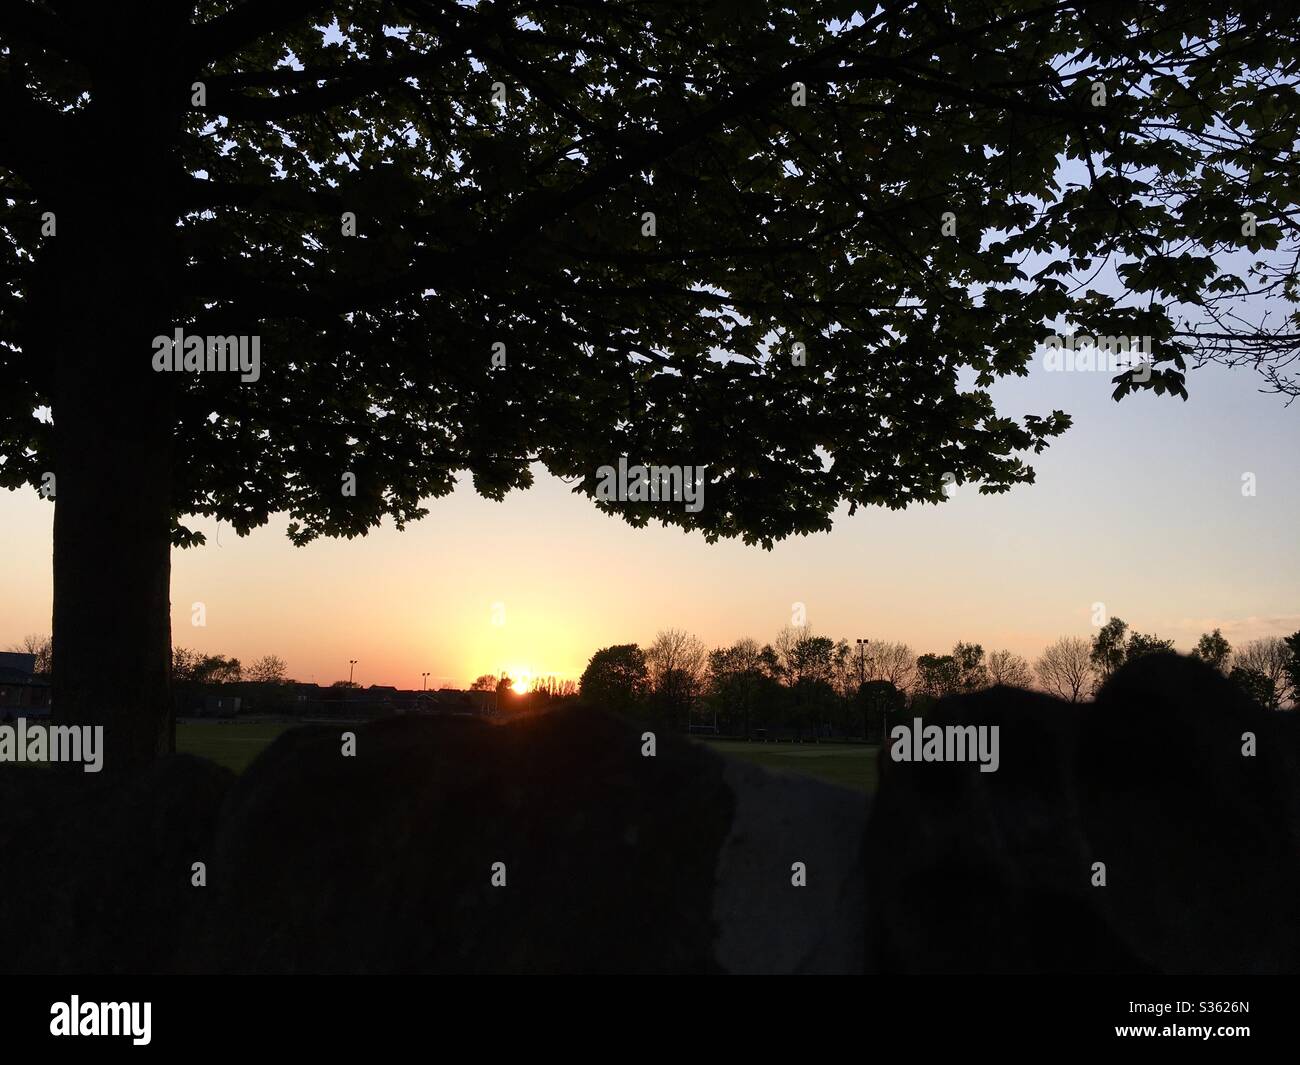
point(352, 662)
point(426, 680)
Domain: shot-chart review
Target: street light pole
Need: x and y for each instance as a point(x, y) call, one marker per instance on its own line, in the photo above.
point(426, 680)
point(352, 662)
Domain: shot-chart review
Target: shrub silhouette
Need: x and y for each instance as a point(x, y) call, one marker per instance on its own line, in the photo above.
point(971, 871)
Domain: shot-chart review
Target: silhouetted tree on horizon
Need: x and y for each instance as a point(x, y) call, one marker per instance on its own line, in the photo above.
point(616, 678)
point(1268, 657)
point(1213, 649)
point(1065, 669)
point(269, 669)
point(937, 676)
point(1007, 668)
point(1114, 644)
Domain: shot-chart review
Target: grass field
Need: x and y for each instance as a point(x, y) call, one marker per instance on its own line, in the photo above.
point(849, 765)
point(233, 746)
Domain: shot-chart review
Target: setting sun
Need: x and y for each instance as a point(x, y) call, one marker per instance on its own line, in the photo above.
point(520, 686)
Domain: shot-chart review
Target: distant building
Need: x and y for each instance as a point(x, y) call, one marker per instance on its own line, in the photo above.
point(309, 702)
point(456, 701)
point(221, 705)
point(17, 662)
point(20, 688)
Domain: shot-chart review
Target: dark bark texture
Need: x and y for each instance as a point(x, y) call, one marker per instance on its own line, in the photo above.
point(107, 290)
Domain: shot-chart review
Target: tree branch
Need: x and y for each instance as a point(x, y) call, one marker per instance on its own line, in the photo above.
point(21, 21)
point(346, 83)
point(197, 193)
point(235, 30)
point(33, 137)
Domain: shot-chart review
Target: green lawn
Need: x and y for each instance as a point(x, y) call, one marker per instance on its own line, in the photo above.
point(233, 746)
point(849, 765)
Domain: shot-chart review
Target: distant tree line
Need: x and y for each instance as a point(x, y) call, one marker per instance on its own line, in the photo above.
point(811, 686)
point(194, 667)
point(550, 687)
point(1267, 669)
point(188, 667)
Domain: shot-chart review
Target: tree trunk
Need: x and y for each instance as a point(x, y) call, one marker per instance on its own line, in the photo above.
point(106, 294)
point(112, 565)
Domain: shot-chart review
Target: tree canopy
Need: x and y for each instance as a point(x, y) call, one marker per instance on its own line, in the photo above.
point(500, 159)
point(616, 677)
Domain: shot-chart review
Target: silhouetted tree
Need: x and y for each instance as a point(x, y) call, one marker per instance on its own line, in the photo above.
point(1141, 643)
point(1010, 669)
point(1293, 666)
point(1107, 653)
point(844, 670)
point(39, 646)
point(972, 674)
point(1269, 656)
point(803, 655)
point(1257, 684)
point(1110, 649)
point(813, 703)
point(878, 700)
point(1066, 668)
point(739, 683)
point(196, 668)
point(1213, 649)
point(892, 662)
point(267, 670)
point(937, 676)
point(616, 678)
point(677, 663)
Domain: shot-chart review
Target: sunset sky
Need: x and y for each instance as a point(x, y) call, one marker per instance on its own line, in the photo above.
point(1139, 506)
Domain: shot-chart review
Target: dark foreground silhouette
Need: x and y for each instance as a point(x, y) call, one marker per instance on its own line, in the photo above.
point(971, 872)
point(685, 861)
